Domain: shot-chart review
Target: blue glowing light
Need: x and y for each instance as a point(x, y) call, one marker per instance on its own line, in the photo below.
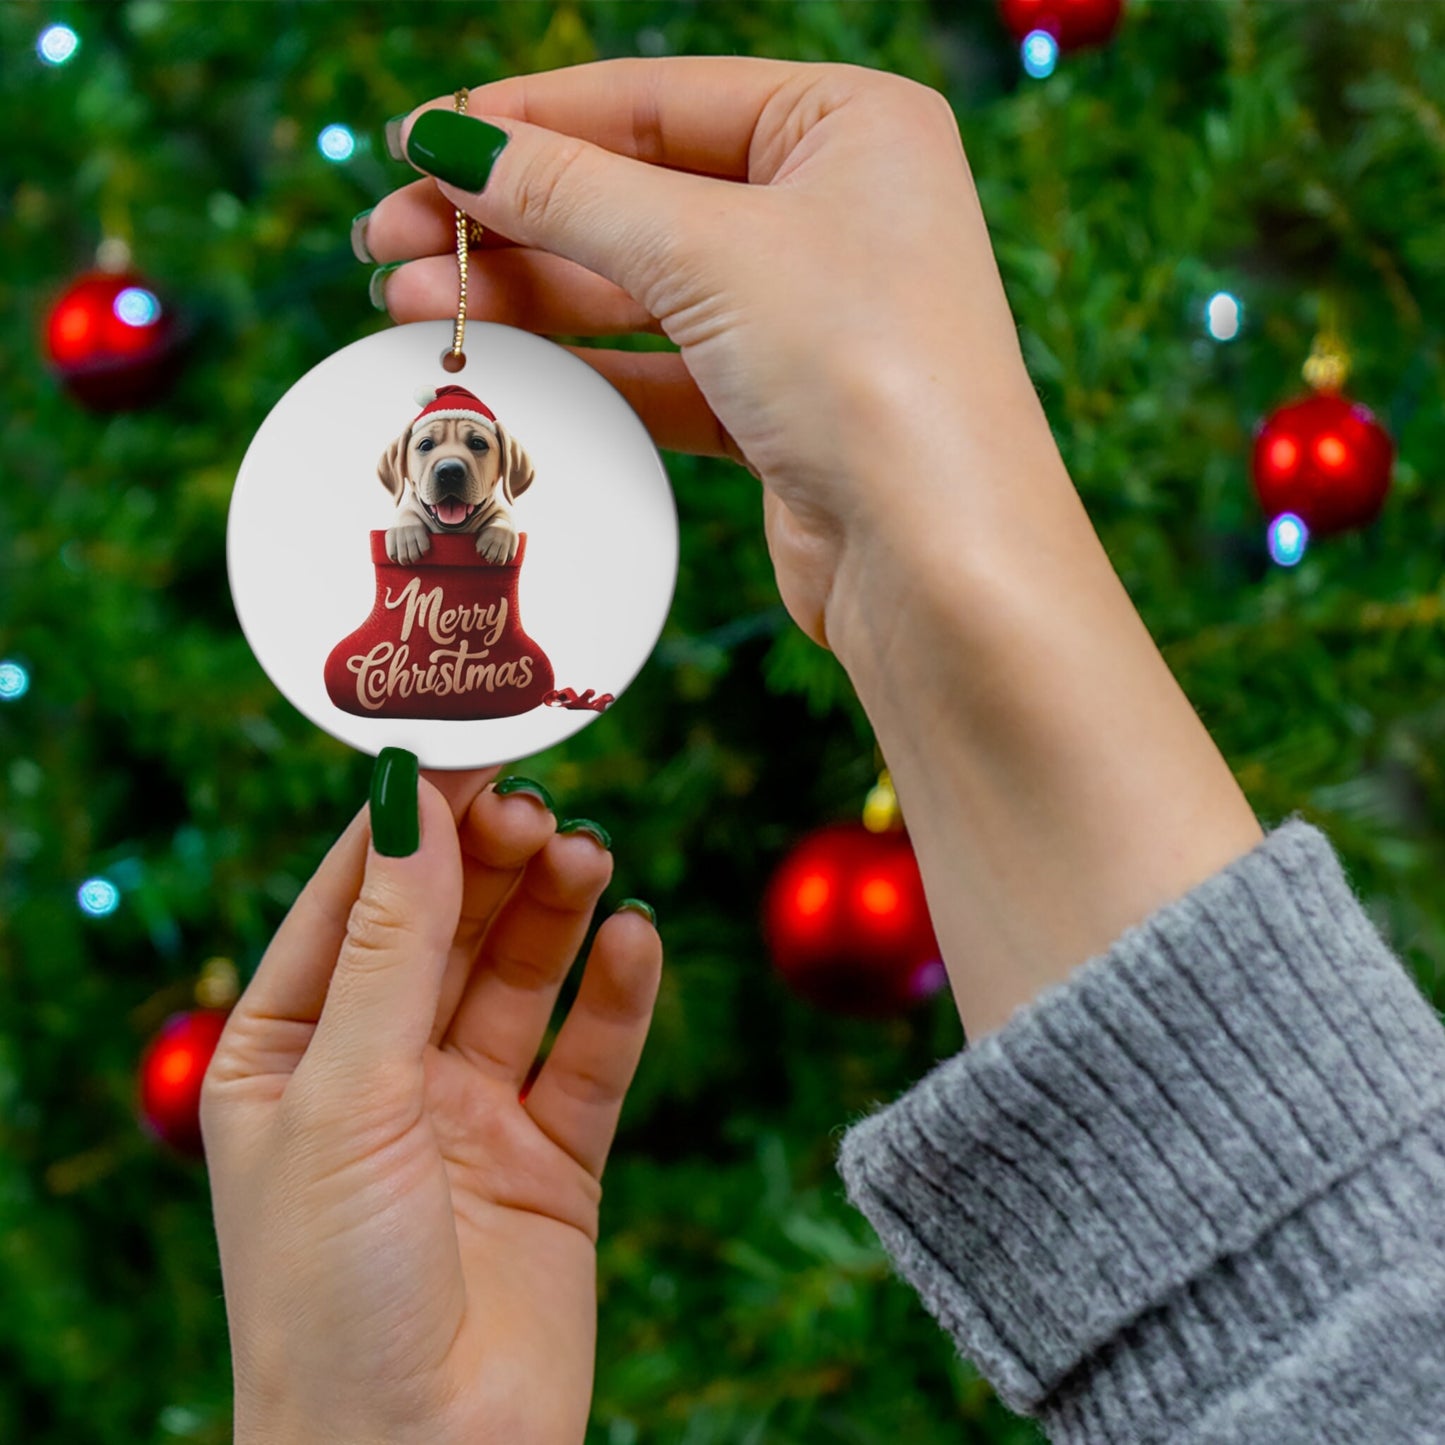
point(98, 897)
point(1288, 538)
point(14, 681)
point(1040, 52)
point(57, 44)
point(336, 143)
point(137, 307)
point(1223, 316)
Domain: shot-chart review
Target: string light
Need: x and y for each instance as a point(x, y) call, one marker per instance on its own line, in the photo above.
point(14, 681)
point(336, 143)
point(57, 44)
point(137, 307)
point(1223, 316)
point(1040, 53)
point(1288, 538)
point(98, 897)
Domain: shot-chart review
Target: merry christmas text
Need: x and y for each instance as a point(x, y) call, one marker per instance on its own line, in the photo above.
point(387, 671)
point(453, 666)
point(443, 623)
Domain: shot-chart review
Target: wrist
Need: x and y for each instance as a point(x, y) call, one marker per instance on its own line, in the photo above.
point(1057, 784)
point(951, 523)
point(292, 1422)
point(277, 1430)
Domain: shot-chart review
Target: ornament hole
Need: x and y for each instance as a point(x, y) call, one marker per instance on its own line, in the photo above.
point(453, 361)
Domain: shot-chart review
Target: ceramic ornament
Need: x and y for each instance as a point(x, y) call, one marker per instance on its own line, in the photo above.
point(472, 564)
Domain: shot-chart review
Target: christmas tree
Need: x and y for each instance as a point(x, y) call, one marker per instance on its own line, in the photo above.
point(1275, 163)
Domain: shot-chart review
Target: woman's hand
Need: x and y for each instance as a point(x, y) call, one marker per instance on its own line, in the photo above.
point(809, 236)
point(407, 1246)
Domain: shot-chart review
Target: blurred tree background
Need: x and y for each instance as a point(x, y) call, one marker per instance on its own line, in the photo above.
point(1289, 154)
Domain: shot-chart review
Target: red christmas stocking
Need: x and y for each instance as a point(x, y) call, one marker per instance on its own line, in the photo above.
point(444, 639)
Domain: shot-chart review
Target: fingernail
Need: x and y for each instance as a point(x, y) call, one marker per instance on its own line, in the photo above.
point(455, 148)
point(586, 825)
point(395, 820)
point(376, 287)
point(393, 136)
point(527, 786)
point(636, 905)
point(358, 236)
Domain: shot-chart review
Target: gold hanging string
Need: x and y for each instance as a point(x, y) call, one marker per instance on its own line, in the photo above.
point(1328, 365)
point(469, 233)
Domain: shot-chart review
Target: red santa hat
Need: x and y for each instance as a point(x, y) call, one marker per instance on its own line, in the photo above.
point(452, 403)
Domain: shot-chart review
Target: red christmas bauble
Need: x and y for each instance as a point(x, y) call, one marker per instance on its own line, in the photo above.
point(112, 341)
point(1072, 23)
point(1324, 458)
point(847, 923)
point(171, 1072)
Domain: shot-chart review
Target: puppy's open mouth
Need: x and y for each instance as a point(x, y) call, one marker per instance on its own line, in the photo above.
point(450, 511)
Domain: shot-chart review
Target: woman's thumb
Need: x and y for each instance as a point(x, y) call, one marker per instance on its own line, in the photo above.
point(382, 999)
point(619, 217)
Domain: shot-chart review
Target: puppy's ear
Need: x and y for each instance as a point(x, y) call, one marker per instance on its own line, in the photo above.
point(517, 470)
point(392, 466)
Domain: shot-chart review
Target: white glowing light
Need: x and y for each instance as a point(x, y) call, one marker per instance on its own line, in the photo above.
point(1288, 538)
point(1040, 52)
point(98, 897)
point(336, 143)
point(1223, 316)
point(14, 681)
point(137, 307)
point(57, 44)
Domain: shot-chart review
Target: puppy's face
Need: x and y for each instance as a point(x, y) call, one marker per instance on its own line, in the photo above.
point(453, 464)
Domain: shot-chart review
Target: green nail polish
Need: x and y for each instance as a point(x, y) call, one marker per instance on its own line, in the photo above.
point(395, 821)
point(358, 236)
point(392, 132)
point(455, 148)
point(586, 825)
point(529, 787)
point(376, 287)
point(636, 905)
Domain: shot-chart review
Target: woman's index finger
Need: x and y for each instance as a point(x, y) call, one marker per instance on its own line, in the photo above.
point(695, 113)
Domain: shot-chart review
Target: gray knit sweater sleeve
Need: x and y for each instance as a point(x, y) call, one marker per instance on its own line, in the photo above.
point(1196, 1192)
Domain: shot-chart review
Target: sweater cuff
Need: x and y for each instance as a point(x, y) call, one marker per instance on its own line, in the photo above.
point(1226, 1062)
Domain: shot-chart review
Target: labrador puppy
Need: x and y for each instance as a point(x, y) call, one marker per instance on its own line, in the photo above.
point(454, 474)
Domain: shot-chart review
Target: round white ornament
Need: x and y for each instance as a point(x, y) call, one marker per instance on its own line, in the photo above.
point(470, 565)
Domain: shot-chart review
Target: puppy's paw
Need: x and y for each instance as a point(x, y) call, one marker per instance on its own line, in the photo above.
point(497, 542)
point(408, 543)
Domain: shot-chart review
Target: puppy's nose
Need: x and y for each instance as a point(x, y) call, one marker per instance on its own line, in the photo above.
point(450, 473)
